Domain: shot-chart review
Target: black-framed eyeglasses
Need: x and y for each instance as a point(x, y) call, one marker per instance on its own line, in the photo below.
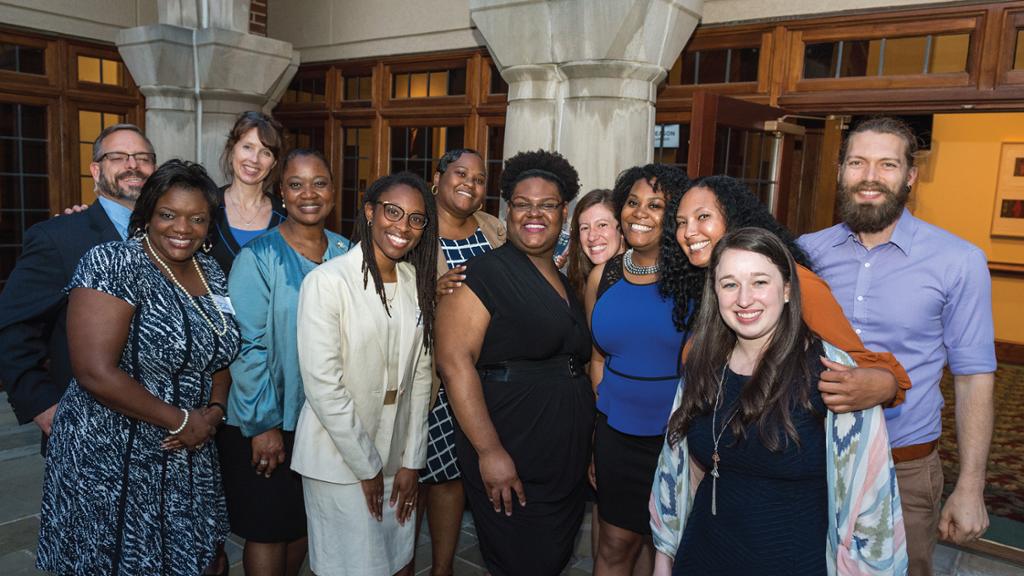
point(141, 158)
point(395, 213)
point(524, 207)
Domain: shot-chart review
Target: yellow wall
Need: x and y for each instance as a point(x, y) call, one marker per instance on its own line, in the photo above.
point(957, 192)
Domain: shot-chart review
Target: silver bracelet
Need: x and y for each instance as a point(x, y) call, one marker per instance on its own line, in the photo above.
point(183, 424)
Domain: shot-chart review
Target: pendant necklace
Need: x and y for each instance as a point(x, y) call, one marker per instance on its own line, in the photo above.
point(715, 438)
point(627, 262)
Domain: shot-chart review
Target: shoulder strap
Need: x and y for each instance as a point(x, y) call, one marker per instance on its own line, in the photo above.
point(611, 274)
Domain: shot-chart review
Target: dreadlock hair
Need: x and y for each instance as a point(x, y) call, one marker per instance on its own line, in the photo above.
point(422, 256)
point(782, 379)
point(579, 264)
point(550, 166)
point(741, 209)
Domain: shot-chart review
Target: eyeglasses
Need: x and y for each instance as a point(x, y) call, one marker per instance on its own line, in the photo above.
point(141, 158)
point(395, 213)
point(522, 207)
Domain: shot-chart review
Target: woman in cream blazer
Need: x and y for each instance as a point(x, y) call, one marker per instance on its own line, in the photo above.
point(363, 338)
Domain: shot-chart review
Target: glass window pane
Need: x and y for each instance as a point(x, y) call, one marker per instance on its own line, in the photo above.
point(498, 84)
point(855, 59)
point(33, 122)
point(33, 157)
point(8, 119)
point(24, 59)
point(905, 55)
point(743, 64)
point(1018, 54)
point(457, 82)
point(366, 88)
point(89, 125)
point(319, 90)
point(87, 190)
point(112, 72)
point(9, 155)
point(439, 83)
point(874, 57)
point(351, 88)
point(10, 233)
point(418, 85)
point(688, 75)
point(35, 193)
point(711, 67)
point(949, 53)
point(10, 192)
point(88, 69)
point(85, 157)
point(820, 60)
point(400, 86)
point(110, 119)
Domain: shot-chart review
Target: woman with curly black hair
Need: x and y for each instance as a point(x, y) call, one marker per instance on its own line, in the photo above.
point(713, 206)
point(511, 350)
point(635, 377)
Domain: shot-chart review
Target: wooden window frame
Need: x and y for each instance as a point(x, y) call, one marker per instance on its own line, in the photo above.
point(51, 52)
point(58, 192)
point(800, 38)
point(486, 97)
point(129, 89)
point(72, 186)
point(721, 39)
point(339, 160)
point(331, 89)
point(428, 65)
point(1013, 20)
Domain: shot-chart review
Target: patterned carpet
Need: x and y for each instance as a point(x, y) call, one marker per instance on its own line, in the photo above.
point(1004, 493)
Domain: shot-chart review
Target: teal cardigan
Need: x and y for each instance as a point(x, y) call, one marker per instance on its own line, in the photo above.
point(266, 388)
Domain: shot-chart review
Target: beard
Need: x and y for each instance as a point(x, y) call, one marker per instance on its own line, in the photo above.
point(872, 218)
point(111, 186)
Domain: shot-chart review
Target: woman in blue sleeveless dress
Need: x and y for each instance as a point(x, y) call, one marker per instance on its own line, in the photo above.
point(634, 364)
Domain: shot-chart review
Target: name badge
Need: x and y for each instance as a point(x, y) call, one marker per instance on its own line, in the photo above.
point(223, 303)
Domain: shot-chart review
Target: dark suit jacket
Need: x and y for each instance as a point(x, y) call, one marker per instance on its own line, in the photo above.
point(225, 247)
point(34, 363)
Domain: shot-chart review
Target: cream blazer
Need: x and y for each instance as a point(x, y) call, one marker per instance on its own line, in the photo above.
point(341, 341)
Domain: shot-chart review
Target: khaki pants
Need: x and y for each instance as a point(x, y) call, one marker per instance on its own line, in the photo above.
point(920, 484)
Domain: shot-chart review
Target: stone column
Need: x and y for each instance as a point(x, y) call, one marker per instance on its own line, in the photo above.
point(236, 71)
point(583, 75)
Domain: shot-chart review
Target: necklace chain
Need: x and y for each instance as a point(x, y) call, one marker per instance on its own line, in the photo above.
point(716, 436)
point(627, 261)
point(202, 279)
point(241, 215)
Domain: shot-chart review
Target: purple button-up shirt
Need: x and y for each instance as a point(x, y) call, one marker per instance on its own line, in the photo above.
point(925, 296)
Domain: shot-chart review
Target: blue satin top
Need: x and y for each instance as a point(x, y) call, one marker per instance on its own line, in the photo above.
point(632, 326)
point(266, 389)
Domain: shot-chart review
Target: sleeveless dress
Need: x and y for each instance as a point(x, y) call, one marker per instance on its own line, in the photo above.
point(771, 506)
point(442, 464)
point(542, 407)
point(113, 501)
point(633, 328)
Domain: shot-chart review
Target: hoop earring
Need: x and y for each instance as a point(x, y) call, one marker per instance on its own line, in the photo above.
point(369, 223)
point(433, 189)
point(207, 246)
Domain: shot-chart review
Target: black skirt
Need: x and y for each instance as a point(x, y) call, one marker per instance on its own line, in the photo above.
point(545, 421)
point(260, 509)
point(624, 466)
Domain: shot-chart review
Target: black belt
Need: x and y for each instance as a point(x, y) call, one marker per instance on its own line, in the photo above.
point(566, 364)
point(607, 366)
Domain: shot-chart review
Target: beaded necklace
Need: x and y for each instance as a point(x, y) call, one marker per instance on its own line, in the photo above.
point(627, 261)
point(202, 279)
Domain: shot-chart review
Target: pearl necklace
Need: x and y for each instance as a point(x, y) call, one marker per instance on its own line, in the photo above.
point(202, 279)
point(715, 438)
point(627, 261)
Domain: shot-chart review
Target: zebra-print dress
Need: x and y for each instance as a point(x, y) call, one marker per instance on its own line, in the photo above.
point(113, 501)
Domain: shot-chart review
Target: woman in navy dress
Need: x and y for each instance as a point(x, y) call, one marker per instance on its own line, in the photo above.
point(132, 482)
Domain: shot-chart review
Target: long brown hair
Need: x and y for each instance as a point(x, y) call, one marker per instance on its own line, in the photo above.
point(579, 265)
point(782, 377)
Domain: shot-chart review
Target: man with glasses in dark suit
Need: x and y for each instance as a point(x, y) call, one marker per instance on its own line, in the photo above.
point(34, 367)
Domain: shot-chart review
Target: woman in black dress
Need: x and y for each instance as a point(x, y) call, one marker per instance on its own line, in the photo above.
point(511, 350)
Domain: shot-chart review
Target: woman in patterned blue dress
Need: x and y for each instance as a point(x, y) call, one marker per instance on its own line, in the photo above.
point(132, 482)
point(465, 231)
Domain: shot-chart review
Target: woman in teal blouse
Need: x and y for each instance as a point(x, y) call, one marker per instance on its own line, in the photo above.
point(264, 496)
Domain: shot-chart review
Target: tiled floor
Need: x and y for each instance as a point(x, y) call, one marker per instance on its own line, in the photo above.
point(21, 471)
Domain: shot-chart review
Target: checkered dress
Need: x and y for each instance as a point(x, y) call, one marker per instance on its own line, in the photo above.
point(442, 464)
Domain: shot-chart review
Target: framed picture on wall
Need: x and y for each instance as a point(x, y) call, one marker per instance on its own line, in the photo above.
point(1008, 212)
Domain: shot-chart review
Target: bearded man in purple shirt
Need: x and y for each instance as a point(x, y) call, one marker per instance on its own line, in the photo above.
point(925, 295)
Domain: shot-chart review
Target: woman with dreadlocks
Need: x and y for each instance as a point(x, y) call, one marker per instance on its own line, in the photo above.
point(511, 348)
point(364, 340)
